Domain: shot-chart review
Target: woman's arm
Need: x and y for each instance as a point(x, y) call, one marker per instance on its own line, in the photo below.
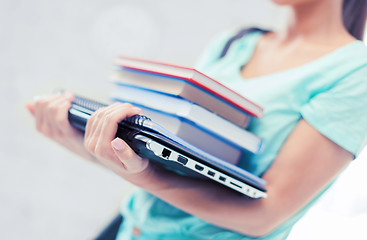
point(306, 164)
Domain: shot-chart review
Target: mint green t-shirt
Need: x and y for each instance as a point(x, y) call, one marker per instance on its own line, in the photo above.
point(330, 93)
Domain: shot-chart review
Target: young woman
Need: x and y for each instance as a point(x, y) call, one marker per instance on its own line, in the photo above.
point(311, 80)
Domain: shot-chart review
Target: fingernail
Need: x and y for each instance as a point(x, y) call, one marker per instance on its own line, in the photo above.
point(117, 144)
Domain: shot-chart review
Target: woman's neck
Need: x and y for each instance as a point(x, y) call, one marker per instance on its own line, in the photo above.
point(318, 22)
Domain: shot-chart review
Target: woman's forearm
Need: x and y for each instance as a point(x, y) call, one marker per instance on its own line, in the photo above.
point(207, 200)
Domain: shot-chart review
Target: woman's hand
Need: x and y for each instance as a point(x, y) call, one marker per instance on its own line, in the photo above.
point(99, 142)
point(51, 115)
point(113, 152)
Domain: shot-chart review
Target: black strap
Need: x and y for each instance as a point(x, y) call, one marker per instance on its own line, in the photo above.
point(110, 232)
point(239, 35)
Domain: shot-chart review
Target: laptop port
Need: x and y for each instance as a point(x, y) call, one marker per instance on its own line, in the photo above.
point(182, 160)
point(234, 184)
point(211, 173)
point(222, 178)
point(198, 167)
point(166, 153)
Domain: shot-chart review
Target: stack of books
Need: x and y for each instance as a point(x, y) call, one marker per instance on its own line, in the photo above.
point(189, 104)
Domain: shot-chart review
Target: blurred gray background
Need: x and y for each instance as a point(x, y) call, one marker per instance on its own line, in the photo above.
point(48, 193)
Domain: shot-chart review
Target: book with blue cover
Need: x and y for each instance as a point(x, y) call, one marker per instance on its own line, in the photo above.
point(193, 134)
point(215, 125)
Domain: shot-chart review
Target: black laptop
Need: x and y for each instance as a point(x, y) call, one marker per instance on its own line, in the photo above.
point(149, 140)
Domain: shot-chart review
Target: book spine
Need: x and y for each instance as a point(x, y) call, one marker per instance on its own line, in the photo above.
point(179, 88)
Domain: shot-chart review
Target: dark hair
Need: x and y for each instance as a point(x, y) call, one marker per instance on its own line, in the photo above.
point(355, 17)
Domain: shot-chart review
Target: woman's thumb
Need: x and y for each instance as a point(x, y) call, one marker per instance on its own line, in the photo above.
point(132, 162)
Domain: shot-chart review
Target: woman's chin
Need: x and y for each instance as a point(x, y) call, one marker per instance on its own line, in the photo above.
point(291, 2)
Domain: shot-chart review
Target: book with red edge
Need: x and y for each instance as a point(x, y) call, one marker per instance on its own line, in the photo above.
point(187, 83)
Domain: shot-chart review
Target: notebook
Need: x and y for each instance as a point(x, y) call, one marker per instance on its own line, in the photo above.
point(194, 134)
point(150, 140)
point(212, 123)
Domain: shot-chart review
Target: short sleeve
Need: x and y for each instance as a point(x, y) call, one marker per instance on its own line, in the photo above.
point(340, 113)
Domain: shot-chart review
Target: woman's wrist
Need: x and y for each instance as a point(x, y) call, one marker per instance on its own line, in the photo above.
point(148, 178)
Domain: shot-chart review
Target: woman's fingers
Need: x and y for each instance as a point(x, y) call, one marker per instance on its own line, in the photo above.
point(62, 122)
point(30, 107)
point(53, 115)
point(113, 115)
point(49, 111)
point(132, 162)
point(101, 130)
point(93, 122)
point(112, 118)
point(93, 137)
point(103, 126)
point(92, 130)
point(41, 113)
